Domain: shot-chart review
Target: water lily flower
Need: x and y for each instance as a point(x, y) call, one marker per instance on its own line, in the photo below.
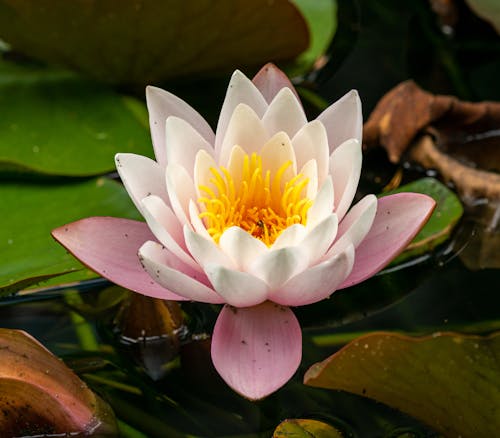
point(257, 217)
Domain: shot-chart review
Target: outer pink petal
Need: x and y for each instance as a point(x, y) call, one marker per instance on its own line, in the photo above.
point(316, 283)
point(256, 350)
point(270, 80)
point(161, 105)
point(343, 120)
point(171, 272)
point(109, 246)
point(399, 218)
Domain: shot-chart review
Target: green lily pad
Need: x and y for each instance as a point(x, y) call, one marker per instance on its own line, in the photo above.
point(305, 428)
point(321, 18)
point(28, 253)
point(55, 123)
point(148, 42)
point(440, 225)
point(447, 380)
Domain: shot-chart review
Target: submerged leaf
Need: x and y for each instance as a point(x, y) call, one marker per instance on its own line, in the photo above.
point(40, 396)
point(28, 254)
point(154, 40)
point(449, 381)
point(305, 428)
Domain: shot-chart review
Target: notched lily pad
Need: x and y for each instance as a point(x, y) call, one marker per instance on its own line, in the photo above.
point(27, 252)
point(40, 396)
point(55, 123)
point(442, 221)
point(447, 380)
point(305, 428)
point(149, 42)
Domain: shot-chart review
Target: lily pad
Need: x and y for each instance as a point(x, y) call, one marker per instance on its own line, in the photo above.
point(27, 252)
point(321, 17)
point(440, 225)
point(148, 42)
point(56, 123)
point(447, 380)
point(305, 428)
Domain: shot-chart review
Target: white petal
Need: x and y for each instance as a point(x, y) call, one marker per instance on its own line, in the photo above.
point(202, 174)
point(235, 164)
point(322, 205)
point(311, 142)
point(189, 284)
point(290, 236)
point(181, 190)
point(244, 129)
point(319, 239)
point(167, 228)
point(345, 168)
point(355, 225)
point(241, 246)
point(343, 120)
point(310, 171)
point(277, 151)
point(141, 177)
point(162, 105)
point(240, 90)
point(238, 289)
point(196, 222)
point(277, 266)
point(205, 251)
point(285, 113)
point(316, 283)
point(183, 142)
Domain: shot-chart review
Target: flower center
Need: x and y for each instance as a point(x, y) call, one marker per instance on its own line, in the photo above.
point(261, 204)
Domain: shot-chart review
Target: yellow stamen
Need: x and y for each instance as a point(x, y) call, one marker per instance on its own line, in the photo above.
point(262, 204)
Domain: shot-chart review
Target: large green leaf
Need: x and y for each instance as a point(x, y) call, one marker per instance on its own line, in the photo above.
point(305, 428)
point(321, 17)
point(29, 213)
point(447, 380)
point(55, 123)
point(126, 41)
point(442, 221)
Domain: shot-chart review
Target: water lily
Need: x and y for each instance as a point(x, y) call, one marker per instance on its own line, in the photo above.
point(257, 217)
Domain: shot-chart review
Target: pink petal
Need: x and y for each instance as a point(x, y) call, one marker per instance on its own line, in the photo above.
point(109, 246)
point(256, 350)
point(316, 283)
point(345, 168)
point(343, 120)
point(175, 275)
point(162, 105)
point(183, 143)
point(238, 289)
point(270, 80)
point(142, 177)
point(399, 218)
point(284, 113)
point(241, 90)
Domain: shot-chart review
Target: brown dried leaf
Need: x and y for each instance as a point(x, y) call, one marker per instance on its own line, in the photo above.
point(39, 395)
